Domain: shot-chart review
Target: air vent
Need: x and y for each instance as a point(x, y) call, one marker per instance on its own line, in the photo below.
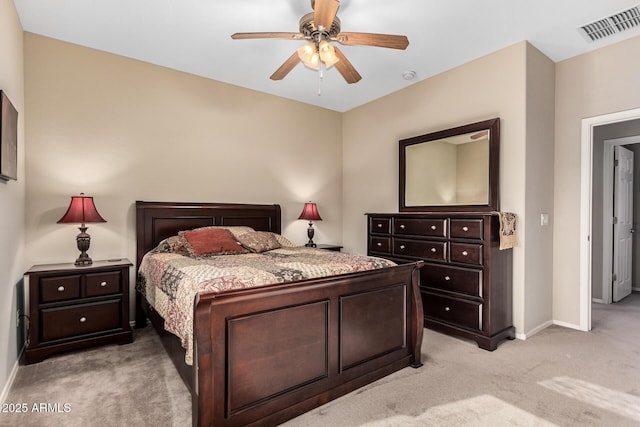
point(613, 24)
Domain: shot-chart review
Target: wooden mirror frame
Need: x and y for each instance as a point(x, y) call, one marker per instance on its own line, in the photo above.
point(493, 203)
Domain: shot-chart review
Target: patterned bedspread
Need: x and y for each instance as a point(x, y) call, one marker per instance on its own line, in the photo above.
point(170, 281)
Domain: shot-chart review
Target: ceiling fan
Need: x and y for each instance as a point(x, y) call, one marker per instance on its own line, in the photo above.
point(320, 28)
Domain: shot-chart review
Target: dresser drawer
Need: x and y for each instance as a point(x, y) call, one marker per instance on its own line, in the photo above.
point(424, 249)
point(380, 245)
point(466, 228)
point(103, 284)
point(466, 253)
point(454, 279)
point(459, 312)
point(380, 225)
point(421, 227)
point(59, 288)
point(69, 321)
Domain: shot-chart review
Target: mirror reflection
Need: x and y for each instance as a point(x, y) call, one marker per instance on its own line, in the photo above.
point(449, 171)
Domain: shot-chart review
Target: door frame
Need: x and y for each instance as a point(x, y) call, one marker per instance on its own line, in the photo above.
point(586, 201)
point(607, 199)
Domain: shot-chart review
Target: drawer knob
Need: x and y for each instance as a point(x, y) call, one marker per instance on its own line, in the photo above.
point(447, 309)
point(433, 227)
point(447, 278)
point(103, 284)
point(379, 244)
point(402, 226)
point(379, 225)
point(465, 253)
point(434, 250)
point(401, 246)
point(60, 288)
point(83, 319)
point(465, 228)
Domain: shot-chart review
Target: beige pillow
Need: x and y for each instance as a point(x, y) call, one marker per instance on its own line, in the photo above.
point(259, 241)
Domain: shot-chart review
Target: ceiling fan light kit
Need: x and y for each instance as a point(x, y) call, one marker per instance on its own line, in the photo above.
point(320, 28)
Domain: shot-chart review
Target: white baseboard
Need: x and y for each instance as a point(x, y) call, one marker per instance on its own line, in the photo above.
point(534, 331)
point(567, 325)
point(7, 386)
point(597, 300)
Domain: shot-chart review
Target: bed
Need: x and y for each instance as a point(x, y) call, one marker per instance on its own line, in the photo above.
point(267, 354)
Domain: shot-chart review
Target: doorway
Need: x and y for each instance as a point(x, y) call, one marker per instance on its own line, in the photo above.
point(594, 131)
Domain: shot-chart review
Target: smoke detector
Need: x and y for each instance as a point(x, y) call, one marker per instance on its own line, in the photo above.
point(611, 25)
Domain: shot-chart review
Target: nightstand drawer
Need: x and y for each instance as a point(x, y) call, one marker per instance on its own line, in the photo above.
point(59, 288)
point(103, 284)
point(70, 321)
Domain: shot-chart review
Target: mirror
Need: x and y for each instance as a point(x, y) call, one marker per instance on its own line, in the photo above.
point(451, 170)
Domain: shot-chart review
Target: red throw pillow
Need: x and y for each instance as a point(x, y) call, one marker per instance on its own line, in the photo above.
point(207, 241)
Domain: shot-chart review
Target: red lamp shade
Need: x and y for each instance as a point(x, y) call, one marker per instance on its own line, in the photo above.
point(80, 211)
point(310, 212)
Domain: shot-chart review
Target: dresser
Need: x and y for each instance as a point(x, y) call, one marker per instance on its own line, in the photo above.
point(466, 282)
point(72, 307)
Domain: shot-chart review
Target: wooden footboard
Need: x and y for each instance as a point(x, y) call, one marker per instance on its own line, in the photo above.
point(269, 354)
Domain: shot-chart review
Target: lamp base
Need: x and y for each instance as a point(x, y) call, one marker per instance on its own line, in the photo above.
point(310, 233)
point(84, 240)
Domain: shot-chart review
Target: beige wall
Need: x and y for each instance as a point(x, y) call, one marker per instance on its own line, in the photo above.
point(538, 292)
point(492, 86)
point(597, 83)
point(12, 196)
point(122, 130)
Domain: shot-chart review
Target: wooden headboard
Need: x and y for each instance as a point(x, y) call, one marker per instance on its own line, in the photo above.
point(156, 221)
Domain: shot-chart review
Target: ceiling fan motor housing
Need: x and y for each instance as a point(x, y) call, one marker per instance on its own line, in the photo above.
point(309, 29)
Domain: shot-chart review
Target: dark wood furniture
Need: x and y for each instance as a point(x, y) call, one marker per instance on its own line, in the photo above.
point(336, 248)
point(265, 355)
point(466, 281)
point(73, 307)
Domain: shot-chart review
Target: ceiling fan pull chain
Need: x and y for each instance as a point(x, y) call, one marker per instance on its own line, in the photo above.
point(320, 77)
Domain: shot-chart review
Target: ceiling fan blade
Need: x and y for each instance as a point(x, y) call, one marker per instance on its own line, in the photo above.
point(346, 68)
point(284, 69)
point(371, 39)
point(289, 36)
point(325, 12)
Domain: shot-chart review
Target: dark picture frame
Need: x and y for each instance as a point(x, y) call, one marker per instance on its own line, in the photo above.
point(8, 139)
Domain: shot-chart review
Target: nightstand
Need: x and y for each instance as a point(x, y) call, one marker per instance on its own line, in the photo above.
point(73, 307)
point(335, 248)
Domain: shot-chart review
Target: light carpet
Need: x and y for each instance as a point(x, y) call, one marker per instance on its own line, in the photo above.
point(559, 377)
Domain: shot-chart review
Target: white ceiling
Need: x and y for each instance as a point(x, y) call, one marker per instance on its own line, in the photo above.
point(194, 36)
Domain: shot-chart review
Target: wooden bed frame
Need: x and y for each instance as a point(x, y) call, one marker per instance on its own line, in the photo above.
point(265, 355)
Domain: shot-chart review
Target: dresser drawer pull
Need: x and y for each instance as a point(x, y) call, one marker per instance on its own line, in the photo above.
point(83, 319)
point(379, 225)
point(378, 244)
point(401, 246)
point(433, 227)
point(465, 228)
point(447, 278)
point(434, 250)
point(465, 253)
point(402, 226)
point(447, 309)
point(103, 284)
point(60, 288)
